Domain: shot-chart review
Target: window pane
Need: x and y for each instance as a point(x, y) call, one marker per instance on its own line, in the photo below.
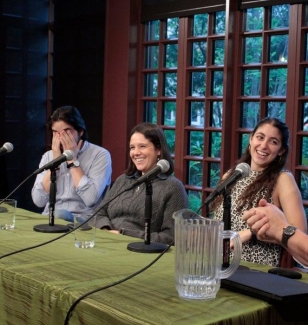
point(214, 174)
point(171, 59)
point(304, 185)
point(254, 19)
point(250, 114)
point(217, 89)
point(152, 30)
point(200, 25)
point(198, 54)
point(197, 84)
point(150, 112)
point(278, 48)
point(304, 153)
point(277, 109)
point(279, 16)
point(216, 114)
point(151, 57)
point(220, 22)
point(219, 52)
point(252, 50)
point(150, 84)
point(306, 58)
point(277, 82)
point(306, 82)
point(195, 173)
point(197, 113)
point(251, 83)
point(196, 146)
point(244, 142)
point(170, 83)
point(169, 113)
point(172, 26)
point(215, 144)
point(170, 136)
point(305, 117)
point(194, 200)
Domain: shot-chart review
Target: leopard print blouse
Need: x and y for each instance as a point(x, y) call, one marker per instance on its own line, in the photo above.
point(262, 253)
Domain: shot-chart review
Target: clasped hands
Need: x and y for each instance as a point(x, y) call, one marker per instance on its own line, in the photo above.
point(264, 220)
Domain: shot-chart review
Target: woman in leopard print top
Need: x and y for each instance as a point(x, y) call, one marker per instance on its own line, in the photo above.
point(266, 154)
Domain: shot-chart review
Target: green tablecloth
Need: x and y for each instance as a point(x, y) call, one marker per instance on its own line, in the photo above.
point(39, 286)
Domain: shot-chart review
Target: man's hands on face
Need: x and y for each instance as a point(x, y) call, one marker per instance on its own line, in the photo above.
point(65, 140)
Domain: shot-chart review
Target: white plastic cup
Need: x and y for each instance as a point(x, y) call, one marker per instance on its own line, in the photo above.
point(7, 214)
point(85, 234)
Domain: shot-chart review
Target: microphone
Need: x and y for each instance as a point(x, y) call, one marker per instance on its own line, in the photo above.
point(7, 147)
point(67, 155)
point(161, 167)
point(241, 170)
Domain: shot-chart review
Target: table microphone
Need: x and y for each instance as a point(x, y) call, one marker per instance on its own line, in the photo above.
point(147, 246)
point(7, 147)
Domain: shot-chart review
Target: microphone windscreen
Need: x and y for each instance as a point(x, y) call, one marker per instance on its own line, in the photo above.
point(164, 165)
point(69, 154)
point(8, 146)
point(244, 169)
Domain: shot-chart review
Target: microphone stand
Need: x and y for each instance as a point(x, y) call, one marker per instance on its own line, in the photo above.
point(51, 227)
point(227, 226)
point(147, 246)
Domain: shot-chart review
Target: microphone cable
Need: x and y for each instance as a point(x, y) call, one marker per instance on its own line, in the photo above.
point(76, 302)
point(63, 235)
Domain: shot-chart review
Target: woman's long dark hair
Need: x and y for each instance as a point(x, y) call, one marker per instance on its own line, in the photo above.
point(71, 116)
point(268, 178)
point(155, 135)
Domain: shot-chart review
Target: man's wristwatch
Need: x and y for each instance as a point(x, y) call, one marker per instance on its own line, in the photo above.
point(75, 163)
point(287, 233)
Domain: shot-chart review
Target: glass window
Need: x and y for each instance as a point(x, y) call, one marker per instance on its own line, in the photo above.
point(219, 52)
point(170, 83)
point(252, 49)
point(254, 19)
point(216, 114)
point(150, 112)
point(277, 109)
point(200, 25)
point(172, 28)
point(169, 113)
point(251, 82)
point(152, 30)
point(279, 17)
point(198, 84)
point(220, 22)
point(215, 145)
point(217, 89)
point(278, 48)
point(198, 54)
point(171, 58)
point(277, 82)
point(195, 173)
point(151, 57)
point(196, 143)
point(151, 83)
point(197, 113)
point(214, 177)
point(250, 114)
